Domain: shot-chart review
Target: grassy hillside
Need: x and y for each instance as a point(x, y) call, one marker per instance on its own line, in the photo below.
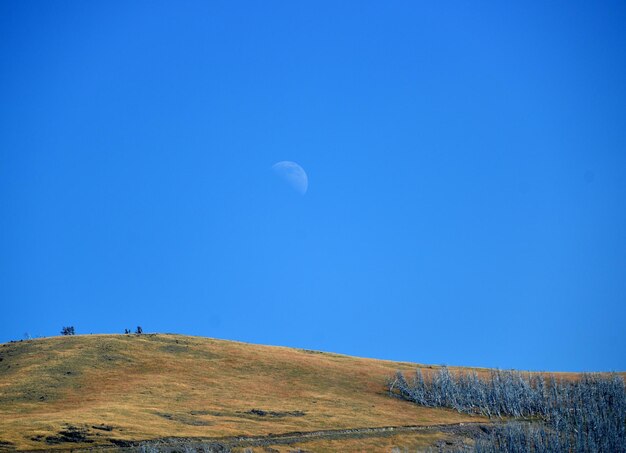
point(98, 390)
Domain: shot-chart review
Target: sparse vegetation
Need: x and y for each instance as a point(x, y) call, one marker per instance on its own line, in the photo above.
point(584, 415)
point(139, 330)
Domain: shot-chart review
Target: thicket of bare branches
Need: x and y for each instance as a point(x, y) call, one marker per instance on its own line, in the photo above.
point(585, 415)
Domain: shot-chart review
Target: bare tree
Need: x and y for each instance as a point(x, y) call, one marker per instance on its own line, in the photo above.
point(585, 415)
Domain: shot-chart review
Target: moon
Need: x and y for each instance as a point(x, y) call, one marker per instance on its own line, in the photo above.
point(293, 174)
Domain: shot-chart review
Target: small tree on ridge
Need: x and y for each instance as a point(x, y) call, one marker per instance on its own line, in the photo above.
point(68, 330)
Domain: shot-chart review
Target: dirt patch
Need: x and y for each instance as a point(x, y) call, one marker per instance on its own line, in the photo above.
point(103, 427)
point(262, 413)
point(217, 414)
point(184, 419)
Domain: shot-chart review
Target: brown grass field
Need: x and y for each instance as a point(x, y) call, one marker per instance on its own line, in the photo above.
point(130, 387)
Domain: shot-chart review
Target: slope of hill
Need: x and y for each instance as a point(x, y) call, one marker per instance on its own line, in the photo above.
point(112, 390)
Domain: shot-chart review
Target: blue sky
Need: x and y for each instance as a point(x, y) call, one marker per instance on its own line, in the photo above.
point(466, 162)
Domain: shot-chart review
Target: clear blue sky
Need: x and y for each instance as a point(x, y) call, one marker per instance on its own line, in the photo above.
point(466, 163)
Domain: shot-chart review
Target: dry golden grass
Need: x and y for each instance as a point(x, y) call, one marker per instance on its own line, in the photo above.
point(410, 442)
point(154, 386)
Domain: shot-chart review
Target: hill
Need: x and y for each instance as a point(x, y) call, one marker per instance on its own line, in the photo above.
point(117, 390)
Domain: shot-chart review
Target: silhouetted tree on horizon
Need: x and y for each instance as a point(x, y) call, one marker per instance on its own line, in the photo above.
point(68, 330)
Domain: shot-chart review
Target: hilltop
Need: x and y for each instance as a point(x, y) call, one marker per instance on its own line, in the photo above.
point(116, 390)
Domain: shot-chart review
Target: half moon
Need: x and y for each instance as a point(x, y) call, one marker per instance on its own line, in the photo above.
point(293, 174)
